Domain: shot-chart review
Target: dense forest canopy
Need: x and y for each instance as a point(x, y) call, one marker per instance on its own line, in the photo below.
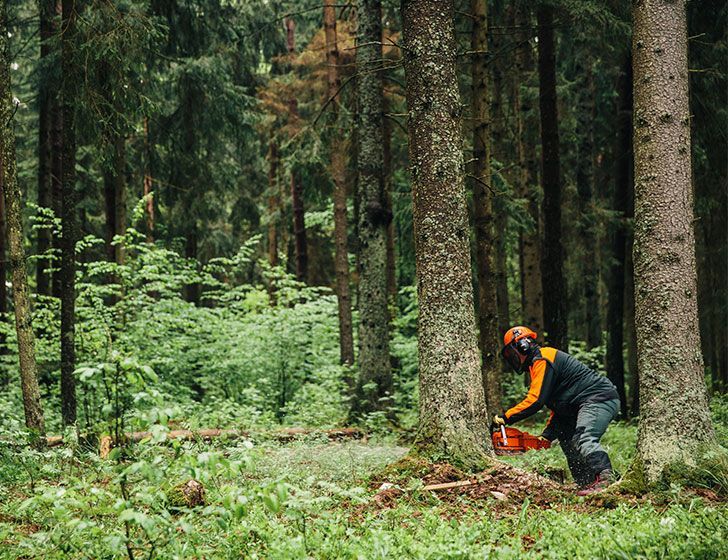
point(258, 215)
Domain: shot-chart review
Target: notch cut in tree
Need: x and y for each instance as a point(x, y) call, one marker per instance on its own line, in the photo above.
point(453, 414)
point(674, 414)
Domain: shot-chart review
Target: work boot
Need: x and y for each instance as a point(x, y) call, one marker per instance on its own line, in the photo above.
point(602, 480)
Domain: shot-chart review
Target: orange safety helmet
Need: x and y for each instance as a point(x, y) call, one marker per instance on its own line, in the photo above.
point(518, 345)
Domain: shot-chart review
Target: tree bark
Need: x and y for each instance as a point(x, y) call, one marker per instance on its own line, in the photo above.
point(338, 176)
point(528, 186)
point(483, 218)
point(374, 387)
point(453, 414)
point(392, 290)
point(297, 202)
point(12, 198)
point(46, 92)
point(675, 419)
point(587, 226)
point(618, 236)
point(68, 217)
point(552, 258)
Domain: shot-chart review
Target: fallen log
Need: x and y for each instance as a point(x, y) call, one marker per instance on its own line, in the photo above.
point(106, 443)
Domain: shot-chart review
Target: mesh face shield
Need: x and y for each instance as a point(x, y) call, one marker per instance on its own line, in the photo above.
point(512, 357)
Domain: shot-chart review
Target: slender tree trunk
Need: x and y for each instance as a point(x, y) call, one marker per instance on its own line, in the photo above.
point(498, 141)
point(148, 184)
point(68, 218)
point(375, 376)
point(12, 198)
point(618, 236)
point(192, 291)
point(338, 175)
point(675, 418)
point(273, 204)
point(46, 91)
point(299, 221)
point(119, 195)
point(552, 258)
point(391, 235)
point(56, 181)
point(453, 414)
point(528, 187)
point(483, 218)
point(587, 226)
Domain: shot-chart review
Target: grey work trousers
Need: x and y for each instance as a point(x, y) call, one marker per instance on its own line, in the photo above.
point(579, 437)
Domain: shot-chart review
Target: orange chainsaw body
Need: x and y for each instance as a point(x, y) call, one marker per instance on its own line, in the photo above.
point(516, 442)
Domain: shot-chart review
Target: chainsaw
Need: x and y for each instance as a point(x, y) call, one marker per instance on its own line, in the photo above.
point(510, 441)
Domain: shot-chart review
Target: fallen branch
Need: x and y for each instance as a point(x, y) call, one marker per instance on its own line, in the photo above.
point(446, 485)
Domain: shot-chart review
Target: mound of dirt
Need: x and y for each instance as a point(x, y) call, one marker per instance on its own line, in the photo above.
point(503, 486)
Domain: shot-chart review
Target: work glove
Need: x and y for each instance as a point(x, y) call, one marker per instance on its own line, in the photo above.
point(499, 420)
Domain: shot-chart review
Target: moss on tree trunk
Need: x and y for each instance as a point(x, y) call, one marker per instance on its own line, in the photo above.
point(12, 196)
point(674, 416)
point(453, 415)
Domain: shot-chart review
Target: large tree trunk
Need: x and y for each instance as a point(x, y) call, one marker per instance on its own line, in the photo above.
point(375, 376)
point(299, 214)
point(68, 218)
point(552, 258)
point(675, 418)
point(338, 175)
point(483, 218)
point(12, 198)
point(618, 236)
point(46, 92)
point(528, 187)
point(587, 224)
point(453, 415)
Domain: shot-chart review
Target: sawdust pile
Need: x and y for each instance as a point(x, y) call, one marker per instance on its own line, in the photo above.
point(505, 487)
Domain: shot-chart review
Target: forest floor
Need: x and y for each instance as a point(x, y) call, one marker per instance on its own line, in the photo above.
point(312, 498)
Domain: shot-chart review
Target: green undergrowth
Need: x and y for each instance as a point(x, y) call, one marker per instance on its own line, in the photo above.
point(311, 499)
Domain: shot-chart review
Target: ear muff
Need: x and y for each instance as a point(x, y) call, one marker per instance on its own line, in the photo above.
point(523, 345)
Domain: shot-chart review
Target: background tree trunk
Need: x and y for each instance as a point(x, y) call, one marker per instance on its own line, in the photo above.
point(68, 218)
point(552, 258)
point(338, 175)
point(483, 218)
point(618, 236)
point(12, 198)
point(528, 186)
point(675, 418)
point(453, 415)
point(587, 225)
point(148, 184)
point(46, 92)
point(273, 204)
point(375, 377)
point(299, 214)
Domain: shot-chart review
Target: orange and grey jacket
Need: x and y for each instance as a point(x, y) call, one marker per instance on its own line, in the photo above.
point(562, 383)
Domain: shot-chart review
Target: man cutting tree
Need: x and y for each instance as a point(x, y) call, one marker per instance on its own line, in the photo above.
point(582, 404)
